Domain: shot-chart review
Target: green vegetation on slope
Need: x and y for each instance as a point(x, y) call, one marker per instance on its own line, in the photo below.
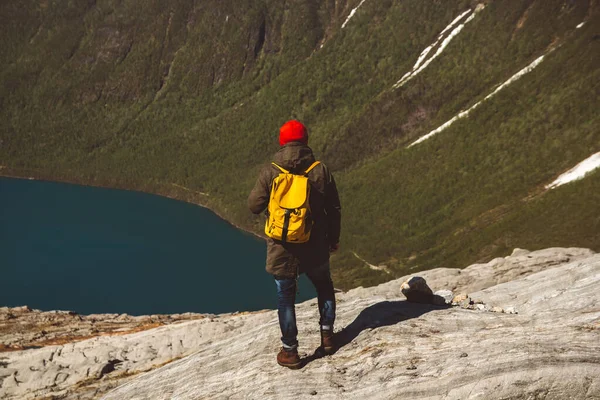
point(191, 95)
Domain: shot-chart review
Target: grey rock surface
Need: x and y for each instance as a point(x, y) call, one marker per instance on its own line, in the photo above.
point(23, 327)
point(389, 348)
point(85, 368)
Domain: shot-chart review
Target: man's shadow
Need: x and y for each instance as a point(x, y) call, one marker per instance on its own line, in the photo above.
point(384, 313)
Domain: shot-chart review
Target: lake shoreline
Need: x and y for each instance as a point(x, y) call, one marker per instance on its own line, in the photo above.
point(175, 192)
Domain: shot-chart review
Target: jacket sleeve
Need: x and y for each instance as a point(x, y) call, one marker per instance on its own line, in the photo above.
point(333, 210)
point(259, 196)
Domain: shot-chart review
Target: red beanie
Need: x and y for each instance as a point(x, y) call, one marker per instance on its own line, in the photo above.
point(293, 131)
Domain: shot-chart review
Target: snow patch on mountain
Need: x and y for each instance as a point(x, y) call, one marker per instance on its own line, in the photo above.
point(425, 52)
point(465, 113)
point(580, 25)
point(517, 76)
point(577, 172)
point(454, 22)
point(352, 13)
point(422, 61)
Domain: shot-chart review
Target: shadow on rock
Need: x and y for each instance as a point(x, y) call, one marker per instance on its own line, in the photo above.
point(381, 314)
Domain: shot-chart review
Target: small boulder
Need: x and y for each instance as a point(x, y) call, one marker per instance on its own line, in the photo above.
point(459, 298)
point(467, 303)
point(123, 317)
point(463, 301)
point(443, 297)
point(519, 252)
point(22, 309)
point(416, 290)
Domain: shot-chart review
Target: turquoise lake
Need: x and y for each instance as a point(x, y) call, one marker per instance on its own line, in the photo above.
point(96, 250)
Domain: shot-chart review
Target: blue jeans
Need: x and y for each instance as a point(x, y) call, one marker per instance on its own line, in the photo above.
point(286, 298)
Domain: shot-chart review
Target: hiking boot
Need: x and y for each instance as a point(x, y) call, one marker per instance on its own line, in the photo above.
point(327, 341)
point(289, 358)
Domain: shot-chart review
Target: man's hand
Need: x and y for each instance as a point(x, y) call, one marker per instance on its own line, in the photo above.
point(334, 247)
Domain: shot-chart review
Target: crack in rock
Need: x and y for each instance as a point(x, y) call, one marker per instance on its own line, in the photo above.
point(109, 367)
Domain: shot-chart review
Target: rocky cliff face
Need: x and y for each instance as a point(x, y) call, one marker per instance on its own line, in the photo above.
point(529, 328)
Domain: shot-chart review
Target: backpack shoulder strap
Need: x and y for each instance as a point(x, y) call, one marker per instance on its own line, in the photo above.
point(285, 171)
point(311, 167)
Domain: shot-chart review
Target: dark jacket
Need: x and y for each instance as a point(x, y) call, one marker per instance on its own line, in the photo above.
point(285, 260)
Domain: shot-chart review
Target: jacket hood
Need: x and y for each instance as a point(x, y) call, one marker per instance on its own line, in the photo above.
point(294, 156)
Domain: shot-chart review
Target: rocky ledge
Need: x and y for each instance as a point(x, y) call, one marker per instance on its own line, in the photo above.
point(521, 327)
point(23, 328)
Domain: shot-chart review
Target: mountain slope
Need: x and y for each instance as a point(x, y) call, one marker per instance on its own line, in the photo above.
point(185, 100)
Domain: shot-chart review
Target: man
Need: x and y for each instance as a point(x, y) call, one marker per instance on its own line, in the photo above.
point(285, 261)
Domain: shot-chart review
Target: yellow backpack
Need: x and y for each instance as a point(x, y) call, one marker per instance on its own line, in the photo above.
point(289, 218)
